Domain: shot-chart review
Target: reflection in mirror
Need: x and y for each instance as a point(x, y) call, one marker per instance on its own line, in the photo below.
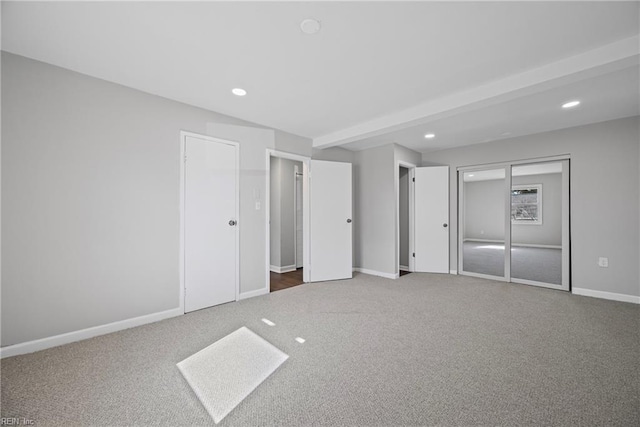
point(484, 222)
point(536, 223)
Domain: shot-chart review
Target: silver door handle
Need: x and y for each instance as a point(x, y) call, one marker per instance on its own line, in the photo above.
point(349, 221)
point(232, 222)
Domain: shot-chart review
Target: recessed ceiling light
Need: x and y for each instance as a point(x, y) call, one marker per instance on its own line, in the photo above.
point(470, 175)
point(310, 26)
point(430, 135)
point(239, 92)
point(571, 104)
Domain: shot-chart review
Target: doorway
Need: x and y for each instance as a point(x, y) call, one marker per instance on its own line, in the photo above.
point(405, 229)
point(209, 208)
point(422, 216)
point(514, 223)
point(286, 220)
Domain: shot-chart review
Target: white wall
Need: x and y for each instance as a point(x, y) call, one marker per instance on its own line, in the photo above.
point(90, 198)
point(605, 199)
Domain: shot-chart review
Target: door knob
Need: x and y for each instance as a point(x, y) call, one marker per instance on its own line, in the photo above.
point(445, 225)
point(232, 222)
point(349, 221)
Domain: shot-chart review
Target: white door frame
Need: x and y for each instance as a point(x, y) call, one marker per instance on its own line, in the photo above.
point(412, 171)
point(295, 216)
point(305, 211)
point(182, 160)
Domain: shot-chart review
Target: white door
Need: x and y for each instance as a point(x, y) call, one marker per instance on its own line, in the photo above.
point(330, 221)
point(432, 219)
point(210, 228)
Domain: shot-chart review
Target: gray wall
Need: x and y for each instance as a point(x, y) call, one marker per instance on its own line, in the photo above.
point(283, 211)
point(90, 197)
point(404, 216)
point(334, 154)
point(605, 199)
point(376, 183)
point(375, 209)
point(484, 211)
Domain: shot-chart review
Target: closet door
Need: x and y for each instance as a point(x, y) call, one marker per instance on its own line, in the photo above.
point(514, 223)
point(539, 210)
point(483, 223)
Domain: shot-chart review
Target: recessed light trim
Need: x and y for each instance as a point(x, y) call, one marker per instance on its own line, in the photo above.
point(430, 135)
point(571, 104)
point(238, 91)
point(310, 26)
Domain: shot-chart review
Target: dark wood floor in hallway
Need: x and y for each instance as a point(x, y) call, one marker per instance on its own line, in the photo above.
point(280, 281)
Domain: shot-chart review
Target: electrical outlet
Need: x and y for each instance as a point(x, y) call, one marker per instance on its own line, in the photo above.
point(603, 262)
point(258, 205)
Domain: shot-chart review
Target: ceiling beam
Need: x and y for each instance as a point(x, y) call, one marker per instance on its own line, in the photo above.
point(605, 59)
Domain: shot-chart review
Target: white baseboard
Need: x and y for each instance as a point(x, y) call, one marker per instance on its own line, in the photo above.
point(69, 337)
point(606, 295)
point(404, 268)
point(376, 273)
point(252, 294)
point(283, 269)
point(453, 272)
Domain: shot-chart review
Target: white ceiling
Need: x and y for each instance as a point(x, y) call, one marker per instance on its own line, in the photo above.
point(469, 70)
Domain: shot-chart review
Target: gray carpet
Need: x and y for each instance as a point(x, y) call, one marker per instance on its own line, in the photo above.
point(420, 350)
point(537, 264)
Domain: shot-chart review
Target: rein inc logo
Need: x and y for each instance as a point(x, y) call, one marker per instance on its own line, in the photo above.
point(15, 421)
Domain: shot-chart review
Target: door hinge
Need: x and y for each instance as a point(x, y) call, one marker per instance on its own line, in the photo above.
point(414, 180)
point(185, 158)
point(414, 254)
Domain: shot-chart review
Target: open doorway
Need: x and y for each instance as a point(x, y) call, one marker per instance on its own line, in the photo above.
point(405, 205)
point(286, 225)
point(403, 220)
